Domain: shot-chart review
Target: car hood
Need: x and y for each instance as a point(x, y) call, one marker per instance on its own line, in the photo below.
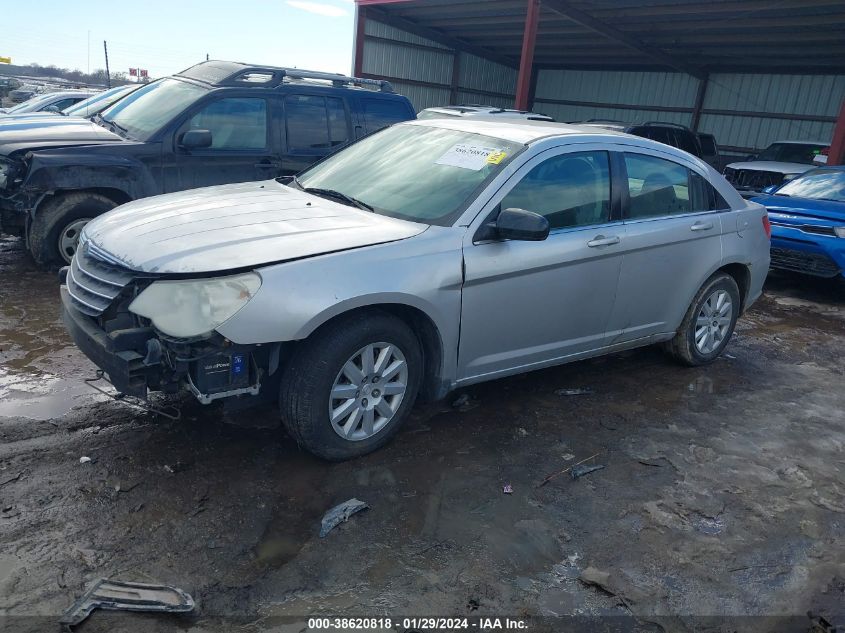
point(771, 165)
point(232, 227)
point(796, 209)
point(53, 131)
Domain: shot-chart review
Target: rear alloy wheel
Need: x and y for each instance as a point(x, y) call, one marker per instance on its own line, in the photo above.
point(348, 388)
point(709, 322)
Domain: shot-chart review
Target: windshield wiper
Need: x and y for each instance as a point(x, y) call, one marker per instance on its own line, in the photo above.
point(331, 193)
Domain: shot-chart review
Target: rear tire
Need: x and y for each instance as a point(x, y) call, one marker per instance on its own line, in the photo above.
point(55, 229)
point(372, 400)
point(709, 322)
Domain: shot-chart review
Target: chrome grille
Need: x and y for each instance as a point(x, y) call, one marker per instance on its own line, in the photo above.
point(93, 284)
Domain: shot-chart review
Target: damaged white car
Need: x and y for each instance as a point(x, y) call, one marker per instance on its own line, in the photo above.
point(429, 256)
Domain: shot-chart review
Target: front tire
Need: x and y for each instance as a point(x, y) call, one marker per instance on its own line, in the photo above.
point(55, 230)
point(709, 322)
point(348, 388)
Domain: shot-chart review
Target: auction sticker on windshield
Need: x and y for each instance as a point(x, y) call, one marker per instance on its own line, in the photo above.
point(472, 157)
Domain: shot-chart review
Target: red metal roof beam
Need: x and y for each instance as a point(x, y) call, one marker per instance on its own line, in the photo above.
point(526, 59)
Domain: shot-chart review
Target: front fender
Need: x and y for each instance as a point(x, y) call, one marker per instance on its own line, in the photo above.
point(58, 170)
point(423, 272)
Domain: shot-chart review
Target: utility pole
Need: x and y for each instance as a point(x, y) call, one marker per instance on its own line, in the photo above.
point(108, 76)
point(206, 57)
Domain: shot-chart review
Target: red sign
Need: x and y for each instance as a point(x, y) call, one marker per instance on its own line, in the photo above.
point(144, 73)
point(133, 72)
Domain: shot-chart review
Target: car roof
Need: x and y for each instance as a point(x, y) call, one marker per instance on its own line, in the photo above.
point(517, 130)
point(801, 142)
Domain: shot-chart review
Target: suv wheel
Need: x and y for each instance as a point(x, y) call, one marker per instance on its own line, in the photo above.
point(709, 322)
point(55, 230)
point(348, 389)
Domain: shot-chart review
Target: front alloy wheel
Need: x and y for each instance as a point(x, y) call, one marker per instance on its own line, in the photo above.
point(347, 388)
point(714, 322)
point(368, 391)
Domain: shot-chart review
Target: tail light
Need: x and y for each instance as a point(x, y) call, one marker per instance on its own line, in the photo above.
point(767, 226)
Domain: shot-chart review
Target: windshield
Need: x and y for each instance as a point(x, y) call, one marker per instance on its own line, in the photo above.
point(803, 153)
point(413, 172)
point(143, 112)
point(817, 184)
point(98, 102)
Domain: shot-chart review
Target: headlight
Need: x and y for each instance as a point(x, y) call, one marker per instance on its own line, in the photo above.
point(839, 230)
point(185, 309)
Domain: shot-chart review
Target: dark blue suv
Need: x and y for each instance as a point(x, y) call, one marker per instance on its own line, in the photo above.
point(214, 123)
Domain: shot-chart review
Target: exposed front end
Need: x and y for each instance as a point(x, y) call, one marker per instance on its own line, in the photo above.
point(103, 308)
point(811, 247)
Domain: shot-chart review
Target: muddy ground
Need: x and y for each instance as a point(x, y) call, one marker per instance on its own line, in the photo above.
point(723, 492)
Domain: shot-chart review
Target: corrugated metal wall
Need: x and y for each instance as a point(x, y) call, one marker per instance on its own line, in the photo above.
point(745, 112)
point(421, 69)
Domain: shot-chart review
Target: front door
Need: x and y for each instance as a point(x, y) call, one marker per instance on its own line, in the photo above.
point(529, 304)
point(241, 145)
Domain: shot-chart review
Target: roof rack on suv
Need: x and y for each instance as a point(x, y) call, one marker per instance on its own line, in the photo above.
point(237, 74)
point(666, 124)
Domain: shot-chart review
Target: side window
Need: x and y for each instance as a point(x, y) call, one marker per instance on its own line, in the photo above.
point(65, 103)
point(379, 113)
point(687, 142)
point(656, 187)
point(234, 123)
point(704, 195)
point(307, 122)
point(570, 190)
point(338, 128)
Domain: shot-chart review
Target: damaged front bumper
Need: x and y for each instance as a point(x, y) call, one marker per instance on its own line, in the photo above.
point(137, 360)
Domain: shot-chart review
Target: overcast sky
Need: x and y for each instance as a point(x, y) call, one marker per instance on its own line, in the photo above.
point(166, 36)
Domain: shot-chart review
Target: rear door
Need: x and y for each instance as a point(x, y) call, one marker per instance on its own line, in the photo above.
point(242, 145)
point(315, 125)
point(673, 239)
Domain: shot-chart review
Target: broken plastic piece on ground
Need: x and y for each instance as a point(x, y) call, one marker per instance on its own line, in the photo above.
point(548, 478)
point(586, 469)
point(461, 401)
point(339, 514)
point(116, 595)
point(84, 459)
point(507, 489)
point(573, 392)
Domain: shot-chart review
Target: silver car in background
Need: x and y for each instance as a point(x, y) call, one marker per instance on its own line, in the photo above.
point(432, 255)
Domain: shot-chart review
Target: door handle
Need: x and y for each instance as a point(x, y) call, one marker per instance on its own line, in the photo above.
point(601, 240)
point(267, 163)
point(701, 226)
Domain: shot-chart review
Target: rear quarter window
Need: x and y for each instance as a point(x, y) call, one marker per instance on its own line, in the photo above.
point(379, 113)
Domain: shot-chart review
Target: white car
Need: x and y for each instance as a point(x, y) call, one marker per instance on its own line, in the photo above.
point(50, 102)
point(780, 162)
point(475, 110)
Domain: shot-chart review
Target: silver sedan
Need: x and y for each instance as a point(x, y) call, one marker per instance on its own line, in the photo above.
point(430, 256)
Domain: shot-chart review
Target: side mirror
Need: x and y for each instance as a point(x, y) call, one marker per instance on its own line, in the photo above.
point(196, 139)
point(522, 225)
point(770, 189)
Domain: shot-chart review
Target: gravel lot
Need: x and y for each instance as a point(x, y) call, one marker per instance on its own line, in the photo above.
point(723, 492)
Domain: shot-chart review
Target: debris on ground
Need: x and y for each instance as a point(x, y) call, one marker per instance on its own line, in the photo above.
point(586, 469)
point(340, 514)
point(84, 459)
point(116, 595)
point(11, 479)
point(507, 489)
point(548, 478)
point(596, 578)
point(461, 401)
point(573, 392)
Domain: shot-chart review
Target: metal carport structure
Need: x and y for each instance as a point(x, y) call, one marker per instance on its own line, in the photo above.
point(748, 71)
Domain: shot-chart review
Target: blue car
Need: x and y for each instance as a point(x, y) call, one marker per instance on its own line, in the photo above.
point(807, 215)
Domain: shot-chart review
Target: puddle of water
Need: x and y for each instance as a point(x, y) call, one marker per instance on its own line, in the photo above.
point(41, 396)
